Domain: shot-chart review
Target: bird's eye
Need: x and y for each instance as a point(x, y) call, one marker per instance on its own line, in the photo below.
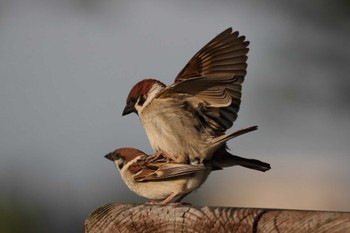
point(118, 156)
point(142, 100)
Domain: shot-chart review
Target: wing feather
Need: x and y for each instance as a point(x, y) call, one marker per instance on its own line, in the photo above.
point(214, 75)
point(227, 45)
point(161, 169)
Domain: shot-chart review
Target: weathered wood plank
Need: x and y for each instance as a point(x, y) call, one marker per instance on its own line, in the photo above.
point(118, 217)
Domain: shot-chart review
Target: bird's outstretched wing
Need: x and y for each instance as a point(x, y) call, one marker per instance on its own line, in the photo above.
point(225, 54)
point(214, 76)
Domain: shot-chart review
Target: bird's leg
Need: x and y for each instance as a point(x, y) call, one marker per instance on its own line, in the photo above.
point(157, 155)
point(168, 199)
point(182, 197)
point(164, 202)
point(178, 201)
point(154, 157)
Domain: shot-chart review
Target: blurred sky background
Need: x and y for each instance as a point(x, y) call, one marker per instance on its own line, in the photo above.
point(66, 67)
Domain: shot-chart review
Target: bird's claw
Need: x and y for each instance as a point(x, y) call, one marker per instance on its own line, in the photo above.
point(160, 154)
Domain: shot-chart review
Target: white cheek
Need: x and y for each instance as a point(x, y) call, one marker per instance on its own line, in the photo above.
point(150, 96)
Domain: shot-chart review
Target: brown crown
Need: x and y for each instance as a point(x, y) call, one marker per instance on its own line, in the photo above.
point(142, 88)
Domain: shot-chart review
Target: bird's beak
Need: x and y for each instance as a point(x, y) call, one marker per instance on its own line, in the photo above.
point(128, 109)
point(110, 156)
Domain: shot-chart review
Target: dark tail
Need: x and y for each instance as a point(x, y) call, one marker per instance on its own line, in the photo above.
point(222, 158)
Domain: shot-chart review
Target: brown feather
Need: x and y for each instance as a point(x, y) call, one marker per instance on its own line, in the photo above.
point(142, 88)
point(227, 44)
point(214, 75)
point(162, 169)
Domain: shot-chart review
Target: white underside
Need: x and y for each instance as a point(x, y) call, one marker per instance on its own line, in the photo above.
point(157, 190)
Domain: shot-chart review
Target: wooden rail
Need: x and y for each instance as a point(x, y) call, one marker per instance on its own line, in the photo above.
point(118, 217)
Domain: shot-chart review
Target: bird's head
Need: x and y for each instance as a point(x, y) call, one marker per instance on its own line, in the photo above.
point(122, 156)
point(141, 94)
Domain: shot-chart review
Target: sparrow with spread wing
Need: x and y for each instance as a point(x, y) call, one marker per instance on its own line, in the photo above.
point(162, 179)
point(187, 120)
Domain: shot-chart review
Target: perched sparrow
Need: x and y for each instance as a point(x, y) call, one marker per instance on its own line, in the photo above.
point(188, 119)
point(161, 179)
point(164, 179)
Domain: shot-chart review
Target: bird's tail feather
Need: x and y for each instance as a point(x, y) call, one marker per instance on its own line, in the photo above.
point(226, 137)
point(222, 158)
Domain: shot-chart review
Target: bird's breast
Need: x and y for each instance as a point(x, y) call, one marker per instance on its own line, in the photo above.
point(172, 129)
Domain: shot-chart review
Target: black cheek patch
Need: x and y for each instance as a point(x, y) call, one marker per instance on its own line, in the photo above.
point(121, 166)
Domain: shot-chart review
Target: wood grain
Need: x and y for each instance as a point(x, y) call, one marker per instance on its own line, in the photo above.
point(118, 217)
